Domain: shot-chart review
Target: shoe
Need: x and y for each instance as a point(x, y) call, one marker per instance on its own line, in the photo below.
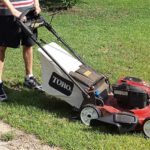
point(32, 83)
point(3, 95)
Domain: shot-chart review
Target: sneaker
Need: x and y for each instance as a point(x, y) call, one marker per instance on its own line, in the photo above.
point(32, 83)
point(3, 95)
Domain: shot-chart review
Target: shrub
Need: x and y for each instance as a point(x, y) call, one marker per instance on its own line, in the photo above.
point(57, 4)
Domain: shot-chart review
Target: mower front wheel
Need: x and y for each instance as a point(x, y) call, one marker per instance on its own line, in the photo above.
point(88, 113)
point(146, 127)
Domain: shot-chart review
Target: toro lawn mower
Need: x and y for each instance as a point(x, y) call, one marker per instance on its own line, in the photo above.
point(66, 76)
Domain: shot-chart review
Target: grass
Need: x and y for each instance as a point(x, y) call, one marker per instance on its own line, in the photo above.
point(9, 136)
point(113, 37)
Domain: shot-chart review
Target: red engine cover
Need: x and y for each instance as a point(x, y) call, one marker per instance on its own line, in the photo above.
point(135, 82)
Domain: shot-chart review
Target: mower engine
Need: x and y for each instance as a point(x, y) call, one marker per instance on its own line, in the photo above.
point(127, 108)
point(132, 93)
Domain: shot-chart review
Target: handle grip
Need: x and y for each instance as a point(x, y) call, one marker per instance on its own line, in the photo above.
point(26, 12)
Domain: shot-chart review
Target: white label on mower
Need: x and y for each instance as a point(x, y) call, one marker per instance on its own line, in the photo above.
point(61, 84)
point(125, 93)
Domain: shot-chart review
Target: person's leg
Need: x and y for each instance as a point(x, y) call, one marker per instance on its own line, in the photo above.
point(30, 80)
point(27, 44)
point(9, 37)
point(28, 59)
point(2, 57)
point(3, 95)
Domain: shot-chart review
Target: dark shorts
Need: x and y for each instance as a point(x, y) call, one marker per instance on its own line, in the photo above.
point(11, 35)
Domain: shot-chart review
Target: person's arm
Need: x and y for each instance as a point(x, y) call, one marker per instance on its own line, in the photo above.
point(37, 6)
point(11, 8)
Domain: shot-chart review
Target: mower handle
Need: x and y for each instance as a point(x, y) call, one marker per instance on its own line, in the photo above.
point(27, 11)
point(31, 22)
point(27, 27)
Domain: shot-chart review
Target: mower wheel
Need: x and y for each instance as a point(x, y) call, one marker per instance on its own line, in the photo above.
point(146, 127)
point(88, 113)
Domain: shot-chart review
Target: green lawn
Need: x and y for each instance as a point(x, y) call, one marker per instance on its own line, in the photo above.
point(113, 37)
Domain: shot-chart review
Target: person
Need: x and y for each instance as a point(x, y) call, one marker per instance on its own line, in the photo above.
point(11, 36)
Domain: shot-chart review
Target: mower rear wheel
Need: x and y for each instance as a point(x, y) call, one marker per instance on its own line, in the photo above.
point(88, 113)
point(146, 128)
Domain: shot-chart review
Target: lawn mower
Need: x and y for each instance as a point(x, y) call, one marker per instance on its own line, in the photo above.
point(65, 75)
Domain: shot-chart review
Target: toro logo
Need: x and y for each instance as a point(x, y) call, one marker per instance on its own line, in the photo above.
point(62, 85)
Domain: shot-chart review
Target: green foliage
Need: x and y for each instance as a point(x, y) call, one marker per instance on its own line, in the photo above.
point(57, 4)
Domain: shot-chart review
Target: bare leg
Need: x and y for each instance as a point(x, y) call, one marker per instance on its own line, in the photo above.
point(28, 58)
point(3, 95)
point(2, 57)
point(30, 81)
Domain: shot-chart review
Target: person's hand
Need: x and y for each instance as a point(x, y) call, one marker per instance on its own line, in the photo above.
point(37, 9)
point(17, 14)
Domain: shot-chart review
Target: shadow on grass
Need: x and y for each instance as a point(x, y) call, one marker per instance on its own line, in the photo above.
point(26, 97)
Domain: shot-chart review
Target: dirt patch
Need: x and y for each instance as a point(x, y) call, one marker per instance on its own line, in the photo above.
point(20, 140)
